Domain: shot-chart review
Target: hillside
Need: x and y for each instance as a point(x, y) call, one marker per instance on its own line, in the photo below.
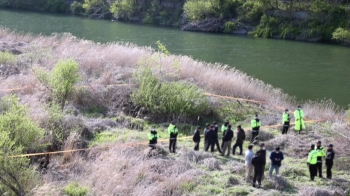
point(105, 115)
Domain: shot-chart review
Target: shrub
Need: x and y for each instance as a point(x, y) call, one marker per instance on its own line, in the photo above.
point(124, 9)
point(77, 8)
point(251, 12)
point(169, 98)
point(61, 80)
point(230, 26)
point(7, 57)
point(56, 6)
point(18, 135)
point(201, 9)
point(74, 189)
point(103, 138)
point(341, 35)
point(267, 27)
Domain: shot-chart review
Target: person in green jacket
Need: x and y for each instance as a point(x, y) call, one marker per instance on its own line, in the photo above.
point(223, 130)
point(312, 162)
point(255, 128)
point(285, 121)
point(299, 119)
point(152, 137)
point(173, 131)
point(321, 154)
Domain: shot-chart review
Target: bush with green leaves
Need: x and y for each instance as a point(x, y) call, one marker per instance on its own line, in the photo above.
point(341, 35)
point(267, 28)
point(169, 98)
point(77, 8)
point(201, 9)
point(230, 26)
point(18, 135)
point(7, 57)
point(125, 9)
point(61, 80)
point(75, 189)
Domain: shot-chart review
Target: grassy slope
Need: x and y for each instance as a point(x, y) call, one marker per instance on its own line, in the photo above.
point(125, 169)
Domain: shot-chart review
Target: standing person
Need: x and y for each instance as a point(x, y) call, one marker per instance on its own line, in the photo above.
point(321, 154)
point(299, 119)
point(211, 139)
point(216, 128)
point(249, 154)
point(285, 121)
point(206, 129)
point(152, 137)
point(223, 129)
point(197, 138)
point(173, 131)
point(227, 139)
point(239, 140)
point(262, 153)
point(255, 128)
point(276, 158)
point(258, 169)
point(329, 160)
point(312, 162)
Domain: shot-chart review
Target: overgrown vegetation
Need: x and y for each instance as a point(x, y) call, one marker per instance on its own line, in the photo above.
point(18, 135)
point(74, 189)
point(168, 98)
point(7, 57)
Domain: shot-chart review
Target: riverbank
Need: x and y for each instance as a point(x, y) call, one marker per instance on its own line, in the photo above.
point(317, 21)
point(102, 112)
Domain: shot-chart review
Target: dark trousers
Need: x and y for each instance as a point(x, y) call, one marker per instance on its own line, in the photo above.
point(152, 146)
point(211, 145)
point(329, 170)
point(196, 146)
point(285, 128)
point(313, 171)
point(218, 145)
point(240, 148)
point(254, 136)
point(172, 145)
point(258, 172)
point(319, 169)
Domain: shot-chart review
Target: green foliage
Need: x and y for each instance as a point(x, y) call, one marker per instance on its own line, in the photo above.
point(77, 8)
point(201, 9)
point(267, 28)
point(170, 98)
point(103, 138)
point(125, 9)
point(18, 134)
point(230, 26)
point(7, 57)
point(56, 6)
point(320, 6)
point(88, 4)
point(341, 35)
point(287, 30)
point(162, 48)
point(251, 12)
point(74, 189)
point(61, 80)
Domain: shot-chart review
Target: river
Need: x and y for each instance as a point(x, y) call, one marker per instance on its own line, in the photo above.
point(305, 70)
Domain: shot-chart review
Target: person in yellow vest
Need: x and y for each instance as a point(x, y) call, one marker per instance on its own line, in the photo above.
point(173, 131)
point(255, 128)
point(321, 154)
point(285, 121)
point(152, 137)
point(299, 119)
point(312, 162)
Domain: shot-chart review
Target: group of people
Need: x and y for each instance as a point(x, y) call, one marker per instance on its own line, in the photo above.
point(257, 161)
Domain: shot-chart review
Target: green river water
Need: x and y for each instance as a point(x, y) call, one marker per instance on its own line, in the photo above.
point(306, 70)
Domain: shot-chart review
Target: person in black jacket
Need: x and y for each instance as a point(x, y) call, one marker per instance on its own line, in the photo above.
point(211, 137)
point(216, 128)
point(197, 138)
point(206, 130)
point(329, 160)
point(258, 169)
point(262, 153)
point(239, 140)
point(227, 139)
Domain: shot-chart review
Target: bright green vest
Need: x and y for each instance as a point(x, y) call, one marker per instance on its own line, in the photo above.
point(285, 117)
point(255, 123)
point(299, 119)
point(152, 136)
point(172, 129)
point(223, 128)
point(320, 152)
point(312, 159)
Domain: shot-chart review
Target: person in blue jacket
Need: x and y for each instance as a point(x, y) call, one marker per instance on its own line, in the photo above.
point(276, 158)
